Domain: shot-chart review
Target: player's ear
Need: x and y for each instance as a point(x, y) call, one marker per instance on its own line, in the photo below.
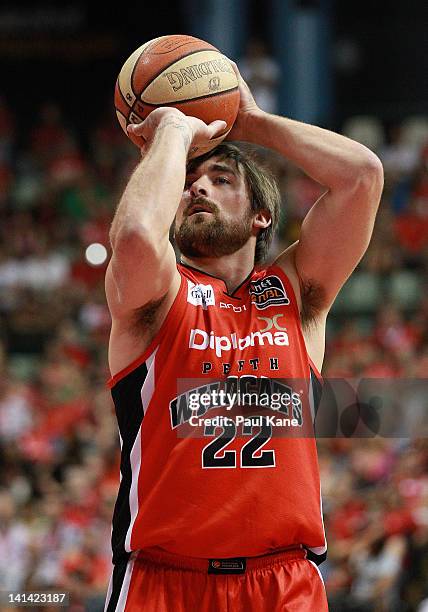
point(262, 219)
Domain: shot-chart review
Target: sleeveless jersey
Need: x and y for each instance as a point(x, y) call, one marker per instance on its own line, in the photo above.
point(248, 483)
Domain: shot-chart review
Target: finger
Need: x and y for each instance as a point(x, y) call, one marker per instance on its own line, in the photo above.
point(216, 127)
point(135, 128)
point(236, 69)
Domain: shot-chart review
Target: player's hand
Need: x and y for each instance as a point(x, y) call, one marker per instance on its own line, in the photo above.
point(195, 132)
point(247, 107)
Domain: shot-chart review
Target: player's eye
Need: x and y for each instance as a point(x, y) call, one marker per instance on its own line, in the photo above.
point(223, 180)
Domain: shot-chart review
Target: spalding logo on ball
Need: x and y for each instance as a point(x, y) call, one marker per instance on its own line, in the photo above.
point(180, 71)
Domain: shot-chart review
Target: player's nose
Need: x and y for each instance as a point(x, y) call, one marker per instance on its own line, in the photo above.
point(200, 187)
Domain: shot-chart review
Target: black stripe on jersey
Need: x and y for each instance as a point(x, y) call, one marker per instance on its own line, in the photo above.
point(119, 572)
point(316, 386)
point(129, 413)
point(316, 390)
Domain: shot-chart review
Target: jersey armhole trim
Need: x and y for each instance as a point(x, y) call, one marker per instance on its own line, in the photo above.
point(315, 369)
point(290, 288)
point(276, 268)
point(156, 340)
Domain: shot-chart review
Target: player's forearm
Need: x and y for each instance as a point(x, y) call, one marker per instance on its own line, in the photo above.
point(151, 198)
point(331, 159)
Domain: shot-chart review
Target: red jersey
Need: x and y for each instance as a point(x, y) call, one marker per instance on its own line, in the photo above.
point(243, 485)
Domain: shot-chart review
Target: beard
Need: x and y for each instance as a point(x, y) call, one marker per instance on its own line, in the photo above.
point(202, 236)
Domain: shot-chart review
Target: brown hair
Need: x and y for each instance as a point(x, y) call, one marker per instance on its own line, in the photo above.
point(264, 192)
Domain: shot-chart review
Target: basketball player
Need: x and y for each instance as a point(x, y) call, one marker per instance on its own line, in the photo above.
point(230, 518)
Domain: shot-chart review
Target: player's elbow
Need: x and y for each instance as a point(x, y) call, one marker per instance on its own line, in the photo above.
point(373, 171)
point(368, 177)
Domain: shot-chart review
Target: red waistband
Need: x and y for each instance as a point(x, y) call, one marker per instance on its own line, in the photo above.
point(167, 559)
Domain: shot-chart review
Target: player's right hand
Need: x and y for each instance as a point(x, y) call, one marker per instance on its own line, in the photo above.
point(194, 130)
point(247, 108)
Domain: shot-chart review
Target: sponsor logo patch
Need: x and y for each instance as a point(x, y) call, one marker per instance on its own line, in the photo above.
point(202, 340)
point(227, 566)
point(272, 322)
point(232, 307)
point(200, 295)
point(268, 291)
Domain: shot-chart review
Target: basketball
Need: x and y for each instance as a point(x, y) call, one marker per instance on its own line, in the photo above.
point(179, 71)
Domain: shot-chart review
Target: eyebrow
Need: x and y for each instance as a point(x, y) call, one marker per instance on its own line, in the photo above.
point(216, 167)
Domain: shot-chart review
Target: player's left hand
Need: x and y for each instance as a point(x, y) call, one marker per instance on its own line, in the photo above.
point(247, 107)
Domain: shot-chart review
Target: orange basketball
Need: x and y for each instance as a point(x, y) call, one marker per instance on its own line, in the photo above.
point(180, 71)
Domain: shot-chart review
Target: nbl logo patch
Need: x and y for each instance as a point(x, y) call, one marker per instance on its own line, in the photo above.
point(268, 291)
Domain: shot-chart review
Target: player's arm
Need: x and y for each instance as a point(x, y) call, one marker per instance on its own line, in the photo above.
point(337, 230)
point(142, 268)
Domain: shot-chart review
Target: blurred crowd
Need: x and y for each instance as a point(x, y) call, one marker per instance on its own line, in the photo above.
point(59, 447)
